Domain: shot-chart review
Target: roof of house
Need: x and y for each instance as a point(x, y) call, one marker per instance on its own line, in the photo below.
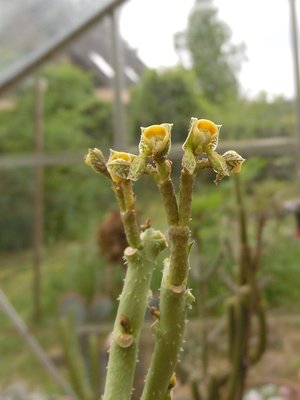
point(93, 51)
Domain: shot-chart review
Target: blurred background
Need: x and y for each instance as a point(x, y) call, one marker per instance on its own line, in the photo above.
point(76, 74)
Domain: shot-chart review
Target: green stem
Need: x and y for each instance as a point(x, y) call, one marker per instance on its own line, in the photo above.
point(231, 314)
point(167, 191)
point(195, 390)
point(237, 352)
point(257, 352)
point(239, 362)
point(213, 388)
point(179, 237)
point(130, 316)
point(185, 197)
point(168, 340)
point(120, 197)
point(173, 301)
point(245, 256)
point(126, 200)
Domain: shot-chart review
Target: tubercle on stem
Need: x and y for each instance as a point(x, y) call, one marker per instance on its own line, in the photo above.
point(124, 340)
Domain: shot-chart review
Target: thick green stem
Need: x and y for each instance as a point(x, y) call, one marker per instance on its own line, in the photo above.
point(240, 316)
point(131, 228)
point(129, 215)
point(179, 255)
point(168, 340)
point(167, 190)
point(173, 301)
point(213, 388)
point(248, 272)
point(260, 347)
point(179, 235)
point(237, 352)
point(245, 256)
point(231, 314)
point(185, 197)
point(130, 316)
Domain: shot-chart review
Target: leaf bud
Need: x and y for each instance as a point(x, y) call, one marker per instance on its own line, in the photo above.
point(234, 161)
point(137, 167)
point(96, 160)
point(118, 165)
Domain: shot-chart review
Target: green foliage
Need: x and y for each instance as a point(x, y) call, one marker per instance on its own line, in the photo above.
point(16, 126)
point(80, 272)
point(74, 118)
point(258, 118)
point(172, 95)
point(73, 115)
point(66, 267)
point(16, 209)
point(283, 272)
point(215, 59)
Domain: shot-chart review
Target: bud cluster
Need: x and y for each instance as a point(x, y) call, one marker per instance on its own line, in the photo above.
point(203, 138)
point(155, 143)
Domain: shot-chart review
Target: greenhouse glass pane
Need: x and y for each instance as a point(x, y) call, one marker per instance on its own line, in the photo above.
point(29, 26)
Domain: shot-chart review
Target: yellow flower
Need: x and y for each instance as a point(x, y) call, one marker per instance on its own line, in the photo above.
point(156, 140)
point(118, 165)
point(207, 126)
point(203, 134)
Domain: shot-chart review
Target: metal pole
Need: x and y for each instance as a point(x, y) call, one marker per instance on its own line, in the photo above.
point(118, 65)
point(295, 54)
point(38, 218)
point(33, 344)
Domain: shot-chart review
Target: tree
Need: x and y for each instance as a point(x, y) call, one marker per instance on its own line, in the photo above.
point(214, 59)
point(172, 95)
point(74, 118)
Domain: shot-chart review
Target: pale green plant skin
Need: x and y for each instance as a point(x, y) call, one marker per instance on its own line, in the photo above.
point(133, 303)
point(167, 341)
point(175, 297)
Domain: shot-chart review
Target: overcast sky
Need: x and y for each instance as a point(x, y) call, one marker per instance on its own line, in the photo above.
point(263, 25)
